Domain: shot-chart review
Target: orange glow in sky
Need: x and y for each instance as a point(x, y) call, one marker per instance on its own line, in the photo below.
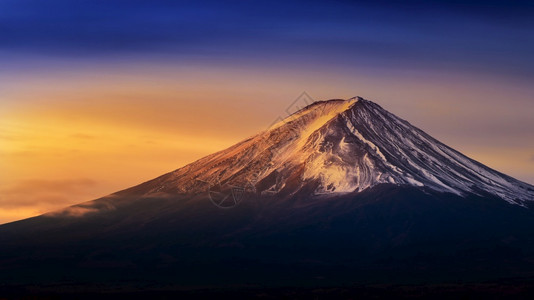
point(73, 136)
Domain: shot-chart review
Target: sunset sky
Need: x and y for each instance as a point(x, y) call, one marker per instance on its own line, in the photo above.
point(97, 96)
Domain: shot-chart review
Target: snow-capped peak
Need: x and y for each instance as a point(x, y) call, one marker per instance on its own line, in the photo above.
point(342, 146)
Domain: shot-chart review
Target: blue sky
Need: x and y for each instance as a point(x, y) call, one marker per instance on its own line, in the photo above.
point(470, 36)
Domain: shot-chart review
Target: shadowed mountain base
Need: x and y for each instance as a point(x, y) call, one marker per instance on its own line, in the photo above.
point(387, 235)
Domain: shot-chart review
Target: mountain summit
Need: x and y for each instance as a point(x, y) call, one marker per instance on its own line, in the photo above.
point(341, 192)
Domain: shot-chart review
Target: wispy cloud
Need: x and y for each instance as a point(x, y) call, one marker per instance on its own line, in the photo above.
point(74, 211)
point(9, 137)
point(41, 192)
point(26, 198)
point(83, 136)
point(83, 209)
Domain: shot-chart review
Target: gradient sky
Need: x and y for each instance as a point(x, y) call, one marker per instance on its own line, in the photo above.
point(97, 96)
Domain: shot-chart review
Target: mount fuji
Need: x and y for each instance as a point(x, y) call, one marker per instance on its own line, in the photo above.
point(341, 192)
point(337, 147)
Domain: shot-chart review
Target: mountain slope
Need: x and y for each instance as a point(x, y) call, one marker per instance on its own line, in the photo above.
point(341, 192)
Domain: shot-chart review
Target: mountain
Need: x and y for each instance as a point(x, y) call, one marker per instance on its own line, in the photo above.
point(341, 146)
point(341, 192)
